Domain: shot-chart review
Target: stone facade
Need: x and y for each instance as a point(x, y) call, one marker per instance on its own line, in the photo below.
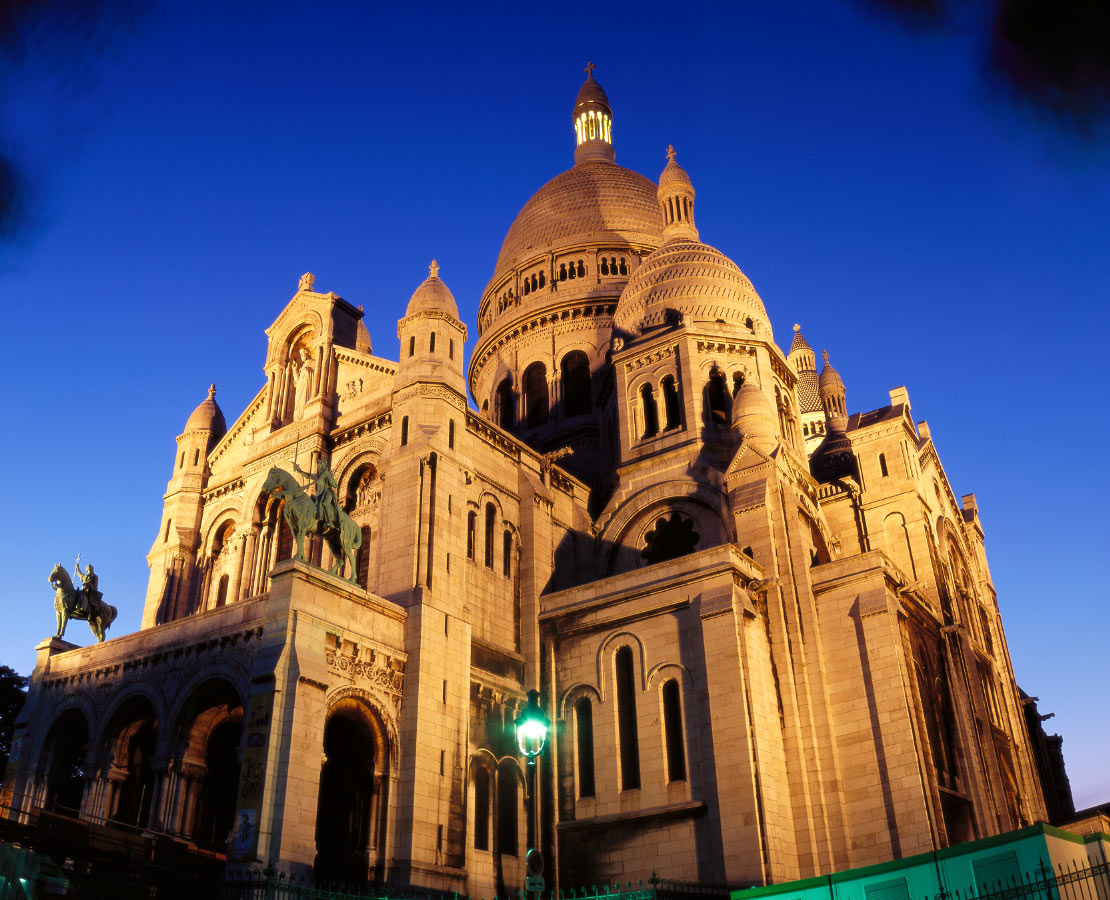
point(763, 627)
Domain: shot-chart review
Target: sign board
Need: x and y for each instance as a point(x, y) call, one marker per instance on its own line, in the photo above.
point(244, 838)
point(533, 883)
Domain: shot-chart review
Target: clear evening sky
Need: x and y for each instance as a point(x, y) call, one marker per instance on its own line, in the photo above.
point(179, 176)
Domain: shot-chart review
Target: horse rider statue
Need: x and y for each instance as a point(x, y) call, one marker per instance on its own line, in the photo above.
point(89, 593)
point(326, 498)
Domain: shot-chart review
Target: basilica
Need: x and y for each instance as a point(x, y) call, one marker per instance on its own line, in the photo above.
point(761, 623)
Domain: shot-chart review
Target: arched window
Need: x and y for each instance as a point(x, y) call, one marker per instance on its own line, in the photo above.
point(670, 403)
point(506, 813)
point(471, 533)
point(504, 405)
point(412, 345)
point(576, 384)
point(672, 732)
point(507, 553)
point(562, 271)
point(737, 382)
point(882, 465)
point(581, 269)
point(718, 397)
point(481, 808)
point(527, 288)
point(626, 720)
point(604, 266)
point(404, 431)
point(535, 394)
point(543, 280)
point(584, 734)
point(491, 517)
point(651, 413)
point(221, 592)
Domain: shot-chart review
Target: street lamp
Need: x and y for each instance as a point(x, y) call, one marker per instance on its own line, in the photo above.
point(531, 735)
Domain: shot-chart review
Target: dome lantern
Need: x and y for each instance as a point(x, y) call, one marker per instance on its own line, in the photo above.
point(593, 121)
point(676, 200)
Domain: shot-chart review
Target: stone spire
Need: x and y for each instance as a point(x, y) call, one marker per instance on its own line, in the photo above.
point(833, 458)
point(833, 396)
point(676, 199)
point(593, 121)
point(801, 355)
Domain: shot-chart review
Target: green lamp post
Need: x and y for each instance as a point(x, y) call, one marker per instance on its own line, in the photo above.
point(531, 735)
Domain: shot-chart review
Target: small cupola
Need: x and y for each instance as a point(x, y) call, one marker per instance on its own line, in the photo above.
point(676, 200)
point(593, 122)
point(801, 355)
point(833, 396)
point(431, 334)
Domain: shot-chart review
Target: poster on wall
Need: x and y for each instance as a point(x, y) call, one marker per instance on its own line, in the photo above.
point(244, 836)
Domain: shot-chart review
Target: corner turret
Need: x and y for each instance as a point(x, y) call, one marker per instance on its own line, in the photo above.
point(593, 122)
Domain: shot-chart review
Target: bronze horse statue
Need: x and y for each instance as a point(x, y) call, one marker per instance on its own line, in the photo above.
point(68, 605)
point(303, 518)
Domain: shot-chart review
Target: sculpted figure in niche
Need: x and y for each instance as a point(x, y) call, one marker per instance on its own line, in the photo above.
point(304, 373)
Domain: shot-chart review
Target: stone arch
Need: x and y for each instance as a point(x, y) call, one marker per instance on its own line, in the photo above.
point(355, 787)
point(384, 716)
point(574, 692)
point(34, 745)
point(63, 759)
point(205, 744)
point(663, 670)
point(620, 638)
point(368, 450)
point(306, 329)
point(131, 741)
point(897, 536)
point(146, 691)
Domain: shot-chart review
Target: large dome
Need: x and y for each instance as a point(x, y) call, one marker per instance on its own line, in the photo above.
point(693, 279)
point(596, 201)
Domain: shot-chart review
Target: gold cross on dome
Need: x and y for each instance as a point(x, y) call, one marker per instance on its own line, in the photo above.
point(670, 153)
point(433, 269)
point(589, 70)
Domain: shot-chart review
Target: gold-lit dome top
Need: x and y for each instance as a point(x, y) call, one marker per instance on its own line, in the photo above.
point(593, 121)
point(595, 202)
point(432, 296)
point(208, 417)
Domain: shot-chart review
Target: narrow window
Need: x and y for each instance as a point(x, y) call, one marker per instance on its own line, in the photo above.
point(581, 269)
point(882, 465)
point(573, 273)
point(442, 757)
point(623, 267)
point(432, 343)
point(412, 345)
point(491, 515)
point(562, 271)
point(543, 280)
point(737, 382)
point(196, 457)
point(471, 528)
point(651, 413)
point(670, 402)
point(451, 434)
point(672, 730)
point(718, 398)
point(535, 394)
point(576, 384)
point(584, 722)
point(451, 349)
point(166, 537)
point(507, 553)
point(504, 405)
point(439, 836)
point(364, 558)
point(527, 290)
point(481, 809)
point(182, 462)
point(506, 813)
point(404, 431)
point(221, 593)
point(626, 721)
point(604, 266)
point(445, 691)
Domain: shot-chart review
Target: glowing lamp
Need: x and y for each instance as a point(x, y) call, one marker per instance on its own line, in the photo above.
point(532, 727)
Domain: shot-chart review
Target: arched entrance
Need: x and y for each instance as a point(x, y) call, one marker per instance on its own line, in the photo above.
point(63, 761)
point(206, 747)
point(130, 771)
point(351, 813)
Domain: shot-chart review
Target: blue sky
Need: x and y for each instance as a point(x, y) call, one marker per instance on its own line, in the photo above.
point(864, 176)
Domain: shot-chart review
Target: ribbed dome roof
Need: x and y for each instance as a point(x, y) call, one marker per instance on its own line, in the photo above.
point(830, 378)
point(799, 342)
point(208, 417)
point(432, 296)
point(691, 278)
point(590, 92)
point(596, 201)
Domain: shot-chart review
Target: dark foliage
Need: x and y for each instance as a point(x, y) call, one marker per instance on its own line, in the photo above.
point(13, 694)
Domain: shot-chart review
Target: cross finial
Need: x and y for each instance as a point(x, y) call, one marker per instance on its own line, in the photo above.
point(589, 70)
point(212, 391)
point(670, 153)
point(433, 269)
point(797, 327)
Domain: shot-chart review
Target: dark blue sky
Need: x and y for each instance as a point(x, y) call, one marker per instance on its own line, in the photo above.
point(863, 175)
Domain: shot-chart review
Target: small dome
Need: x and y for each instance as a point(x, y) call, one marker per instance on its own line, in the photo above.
point(830, 378)
point(752, 417)
point(834, 458)
point(590, 94)
point(208, 417)
point(693, 279)
point(673, 173)
point(432, 296)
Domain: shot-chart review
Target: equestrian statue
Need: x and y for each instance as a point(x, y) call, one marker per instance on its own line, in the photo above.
point(320, 514)
point(86, 602)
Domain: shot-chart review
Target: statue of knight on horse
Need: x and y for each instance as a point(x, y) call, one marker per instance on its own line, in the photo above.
point(86, 602)
point(320, 514)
